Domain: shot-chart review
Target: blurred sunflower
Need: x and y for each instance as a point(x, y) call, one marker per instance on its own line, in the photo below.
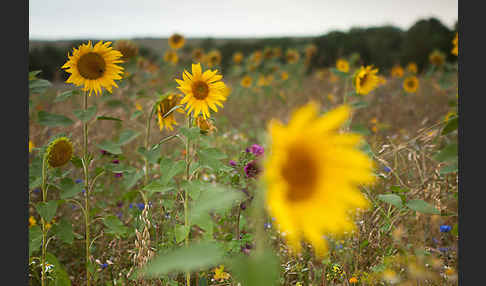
point(31, 146)
point(256, 57)
point(268, 53)
point(213, 58)
point(397, 71)
point(411, 84)
point(313, 184)
point(128, 49)
point(197, 55)
point(437, 58)
point(94, 67)
point(171, 57)
point(381, 80)
point(455, 42)
point(202, 90)
point(277, 52)
point(365, 79)
point(237, 58)
point(292, 56)
point(342, 65)
point(284, 75)
point(412, 67)
point(176, 41)
point(163, 107)
point(205, 125)
point(246, 81)
point(261, 80)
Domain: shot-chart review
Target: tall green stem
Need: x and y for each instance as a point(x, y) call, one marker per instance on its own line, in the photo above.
point(86, 187)
point(147, 138)
point(44, 229)
point(186, 219)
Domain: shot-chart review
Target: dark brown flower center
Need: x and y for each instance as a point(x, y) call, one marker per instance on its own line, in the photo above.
point(91, 66)
point(364, 79)
point(200, 89)
point(176, 38)
point(411, 83)
point(60, 154)
point(300, 172)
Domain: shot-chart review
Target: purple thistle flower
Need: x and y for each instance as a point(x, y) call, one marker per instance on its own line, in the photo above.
point(256, 149)
point(232, 163)
point(116, 161)
point(251, 169)
point(103, 152)
point(247, 150)
point(118, 175)
point(445, 228)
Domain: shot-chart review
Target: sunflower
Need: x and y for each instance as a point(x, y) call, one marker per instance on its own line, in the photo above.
point(31, 146)
point(165, 106)
point(268, 53)
point(342, 65)
point(312, 184)
point(411, 84)
point(365, 80)
point(284, 75)
point(261, 80)
point(397, 71)
point(213, 58)
point(277, 52)
point(292, 56)
point(246, 81)
point(171, 57)
point(197, 55)
point(94, 67)
point(237, 58)
point(412, 67)
point(455, 42)
point(205, 125)
point(437, 58)
point(32, 221)
point(59, 152)
point(202, 90)
point(176, 41)
point(127, 48)
point(381, 80)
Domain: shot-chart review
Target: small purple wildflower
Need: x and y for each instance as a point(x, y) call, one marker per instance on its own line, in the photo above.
point(78, 181)
point(232, 163)
point(386, 169)
point(251, 169)
point(119, 215)
point(104, 265)
point(247, 150)
point(37, 191)
point(141, 206)
point(130, 205)
point(267, 225)
point(256, 149)
point(116, 161)
point(118, 175)
point(84, 191)
point(339, 246)
point(435, 240)
point(445, 228)
point(103, 152)
point(444, 249)
point(243, 206)
point(167, 215)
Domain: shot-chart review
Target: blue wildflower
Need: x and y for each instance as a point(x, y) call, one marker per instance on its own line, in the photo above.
point(267, 225)
point(130, 205)
point(444, 249)
point(104, 265)
point(78, 181)
point(339, 246)
point(386, 169)
point(445, 228)
point(141, 206)
point(37, 191)
point(119, 215)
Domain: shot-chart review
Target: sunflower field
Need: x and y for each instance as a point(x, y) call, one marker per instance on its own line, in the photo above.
point(179, 170)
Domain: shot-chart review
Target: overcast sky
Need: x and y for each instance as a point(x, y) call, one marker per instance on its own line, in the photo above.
point(110, 19)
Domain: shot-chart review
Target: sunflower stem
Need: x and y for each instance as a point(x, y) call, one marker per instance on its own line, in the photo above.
point(44, 229)
point(186, 219)
point(86, 187)
point(147, 140)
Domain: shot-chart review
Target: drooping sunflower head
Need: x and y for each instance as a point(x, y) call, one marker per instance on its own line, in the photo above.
point(411, 84)
point(213, 58)
point(176, 41)
point(164, 106)
point(455, 42)
point(59, 152)
point(94, 67)
point(205, 125)
point(412, 67)
point(397, 71)
point(292, 56)
point(437, 58)
point(365, 79)
point(237, 58)
point(171, 57)
point(312, 185)
point(128, 49)
point(197, 55)
point(246, 81)
point(342, 65)
point(203, 91)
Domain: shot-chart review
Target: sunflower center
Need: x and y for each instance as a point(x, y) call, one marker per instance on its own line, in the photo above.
point(300, 172)
point(364, 79)
point(411, 84)
point(200, 90)
point(91, 66)
point(176, 38)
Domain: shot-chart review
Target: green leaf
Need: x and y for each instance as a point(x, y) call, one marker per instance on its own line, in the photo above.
point(119, 168)
point(215, 198)
point(39, 86)
point(33, 74)
point(451, 125)
point(398, 189)
point(77, 161)
point(194, 257)
point(181, 232)
point(359, 104)
point(391, 199)
point(452, 168)
point(211, 158)
point(190, 133)
point(47, 210)
point(65, 95)
point(422, 207)
point(35, 238)
point(194, 188)
point(85, 115)
point(169, 169)
point(361, 129)
point(108, 118)
point(126, 136)
point(115, 226)
point(110, 146)
point(136, 114)
point(69, 188)
point(157, 187)
point(64, 230)
point(51, 120)
point(455, 230)
point(152, 155)
point(61, 278)
point(448, 154)
point(256, 270)
point(130, 179)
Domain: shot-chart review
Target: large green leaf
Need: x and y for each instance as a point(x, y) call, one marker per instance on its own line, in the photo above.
point(69, 188)
point(61, 278)
point(422, 206)
point(211, 157)
point(181, 232)
point(191, 133)
point(115, 226)
point(256, 270)
point(39, 86)
point(127, 135)
point(451, 125)
point(194, 257)
point(65, 95)
point(157, 187)
point(52, 120)
point(391, 199)
point(47, 210)
point(85, 115)
point(64, 231)
point(214, 198)
point(110, 146)
point(35, 239)
point(130, 179)
point(447, 154)
point(169, 169)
